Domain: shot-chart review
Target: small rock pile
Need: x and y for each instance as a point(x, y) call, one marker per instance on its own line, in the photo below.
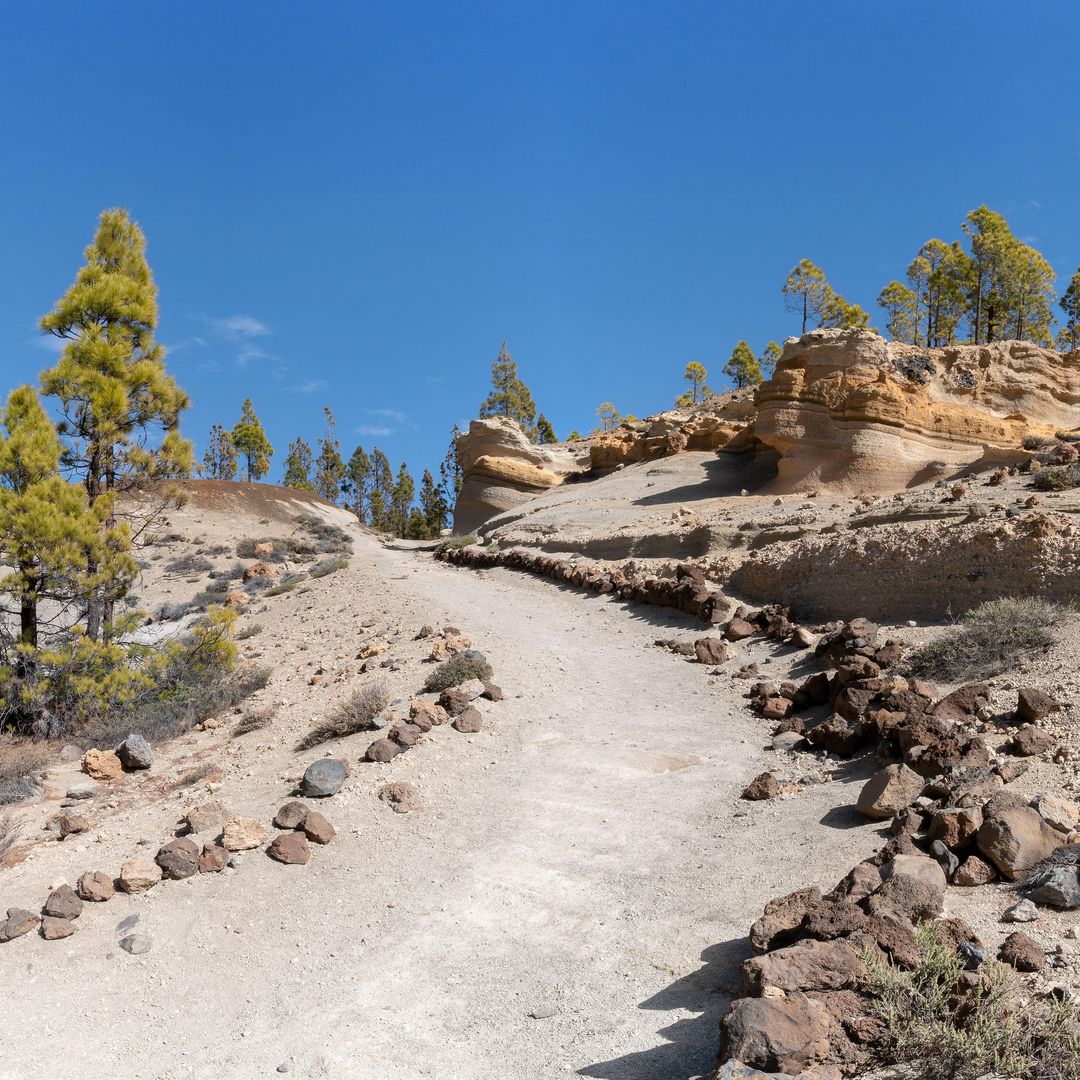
point(687, 591)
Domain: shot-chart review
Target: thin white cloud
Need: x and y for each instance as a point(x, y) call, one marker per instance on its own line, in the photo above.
point(248, 353)
point(1033, 204)
point(390, 414)
point(374, 429)
point(238, 327)
point(49, 342)
point(308, 386)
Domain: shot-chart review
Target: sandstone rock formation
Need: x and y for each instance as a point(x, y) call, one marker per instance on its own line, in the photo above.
point(707, 426)
point(501, 469)
point(848, 410)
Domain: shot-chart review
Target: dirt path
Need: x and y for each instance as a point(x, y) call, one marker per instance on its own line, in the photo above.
point(572, 899)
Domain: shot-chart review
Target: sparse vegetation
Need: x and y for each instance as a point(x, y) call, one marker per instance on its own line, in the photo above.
point(189, 563)
point(452, 543)
point(990, 640)
point(355, 714)
point(985, 1032)
point(1056, 478)
point(10, 831)
point(255, 720)
point(466, 665)
point(248, 632)
point(328, 566)
point(285, 585)
point(20, 759)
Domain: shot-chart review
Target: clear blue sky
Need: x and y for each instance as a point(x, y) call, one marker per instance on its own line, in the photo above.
point(353, 203)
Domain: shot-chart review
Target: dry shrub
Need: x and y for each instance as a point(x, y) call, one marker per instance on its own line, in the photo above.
point(329, 566)
point(986, 1033)
point(248, 632)
point(285, 585)
point(990, 640)
point(10, 831)
point(452, 543)
point(20, 760)
point(355, 714)
point(466, 665)
point(189, 563)
point(255, 720)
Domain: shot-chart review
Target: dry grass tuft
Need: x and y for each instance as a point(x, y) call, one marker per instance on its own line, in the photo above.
point(20, 759)
point(255, 720)
point(466, 665)
point(10, 831)
point(355, 714)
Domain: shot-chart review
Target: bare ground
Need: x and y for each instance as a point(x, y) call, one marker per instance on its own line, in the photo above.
point(572, 898)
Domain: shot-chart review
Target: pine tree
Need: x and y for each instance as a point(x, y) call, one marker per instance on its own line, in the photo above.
point(1069, 335)
point(806, 292)
point(329, 468)
point(545, 433)
point(250, 440)
point(382, 491)
point(743, 368)
point(898, 302)
point(839, 314)
point(402, 495)
point(219, 461)
point(433, 505)
point(769, 358)
point(509, 395)
point(357, 484)
point(608, 416)
point(298, 465)
point(450, 475)
point(114, 392)
point(695, 374)
point(47, 527)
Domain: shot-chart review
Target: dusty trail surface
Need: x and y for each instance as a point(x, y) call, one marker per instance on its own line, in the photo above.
point(572, 899)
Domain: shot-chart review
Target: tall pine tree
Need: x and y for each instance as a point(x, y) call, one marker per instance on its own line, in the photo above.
point(250, 440)
point(121, 409)
point(509, 395)
point(329, 467)
point(357, 485)
point(298, 465)
point(219, 461)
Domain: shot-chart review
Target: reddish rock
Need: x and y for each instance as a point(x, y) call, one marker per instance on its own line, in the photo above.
point(785, 1034)
point(962, 704)
point(102, 765)
point(776, 707)
point(710, 650)
point(888, 791)
point(809, 965)
point(401, 795)
point(455, 701)
point(53, 928)
point(138, 875)
point(213, 859)
point(1030, 741)
point(782, 919)
point(178, 859)
point(383, 750)
point(1015, 837)
point(972, 872)
point(95, 887)
point(765, 786)
point(316, 828)
point(72, 823)
point(492, 692)
point(954, 827)
point(1033, 706)
point(738, 629)
point(469, 722)
point(290, 847)
point(1022, 952)
point(427, 713)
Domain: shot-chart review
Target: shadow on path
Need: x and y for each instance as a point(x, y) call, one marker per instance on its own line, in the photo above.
point(692, 1043)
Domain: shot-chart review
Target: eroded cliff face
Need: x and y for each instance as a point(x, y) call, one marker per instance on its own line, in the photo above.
point(501, 469)
point(848, 411)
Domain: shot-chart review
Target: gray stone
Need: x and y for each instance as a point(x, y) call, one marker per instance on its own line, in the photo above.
point(19, 921)
point(136, 944)
point(974, 956)
point(324, 778)
point(1055, 886)
point(135, 753)
point(1024, 911)
point(945, 858)
point(85, 790)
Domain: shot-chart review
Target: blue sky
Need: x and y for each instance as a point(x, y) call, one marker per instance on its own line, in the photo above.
point(353, 204)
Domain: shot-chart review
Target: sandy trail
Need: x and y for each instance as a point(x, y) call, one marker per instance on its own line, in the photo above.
point(572, 900)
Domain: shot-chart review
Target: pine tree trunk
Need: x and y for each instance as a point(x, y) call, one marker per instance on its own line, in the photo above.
point(93, 601)
point(109, 605)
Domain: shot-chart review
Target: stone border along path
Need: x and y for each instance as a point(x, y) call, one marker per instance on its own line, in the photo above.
point(181, 857)
point(800, 1010)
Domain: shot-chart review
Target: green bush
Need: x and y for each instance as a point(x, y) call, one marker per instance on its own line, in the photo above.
point(329, 566)
point(285, 585)
point(355, 714)
point(466, 665)
point(452, 543)
point(1056, 478)
point(990, 640)
point(944, 1037)
point(248, 632)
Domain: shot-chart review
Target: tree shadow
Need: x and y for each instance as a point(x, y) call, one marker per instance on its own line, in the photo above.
point(691, 1044)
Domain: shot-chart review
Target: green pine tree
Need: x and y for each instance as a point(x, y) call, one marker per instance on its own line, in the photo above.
point(545, 433)
point(298, 465)
point(250, 440)
point(121, 409)
point(357, 484)
point(1069, 335)
point(433, 505)
point(509, 395)
point(401, 499)
point(329, 467)
point(807, 293)
point(769, 358)
point(219, 461)
point(382, 492)
point(743, 367)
